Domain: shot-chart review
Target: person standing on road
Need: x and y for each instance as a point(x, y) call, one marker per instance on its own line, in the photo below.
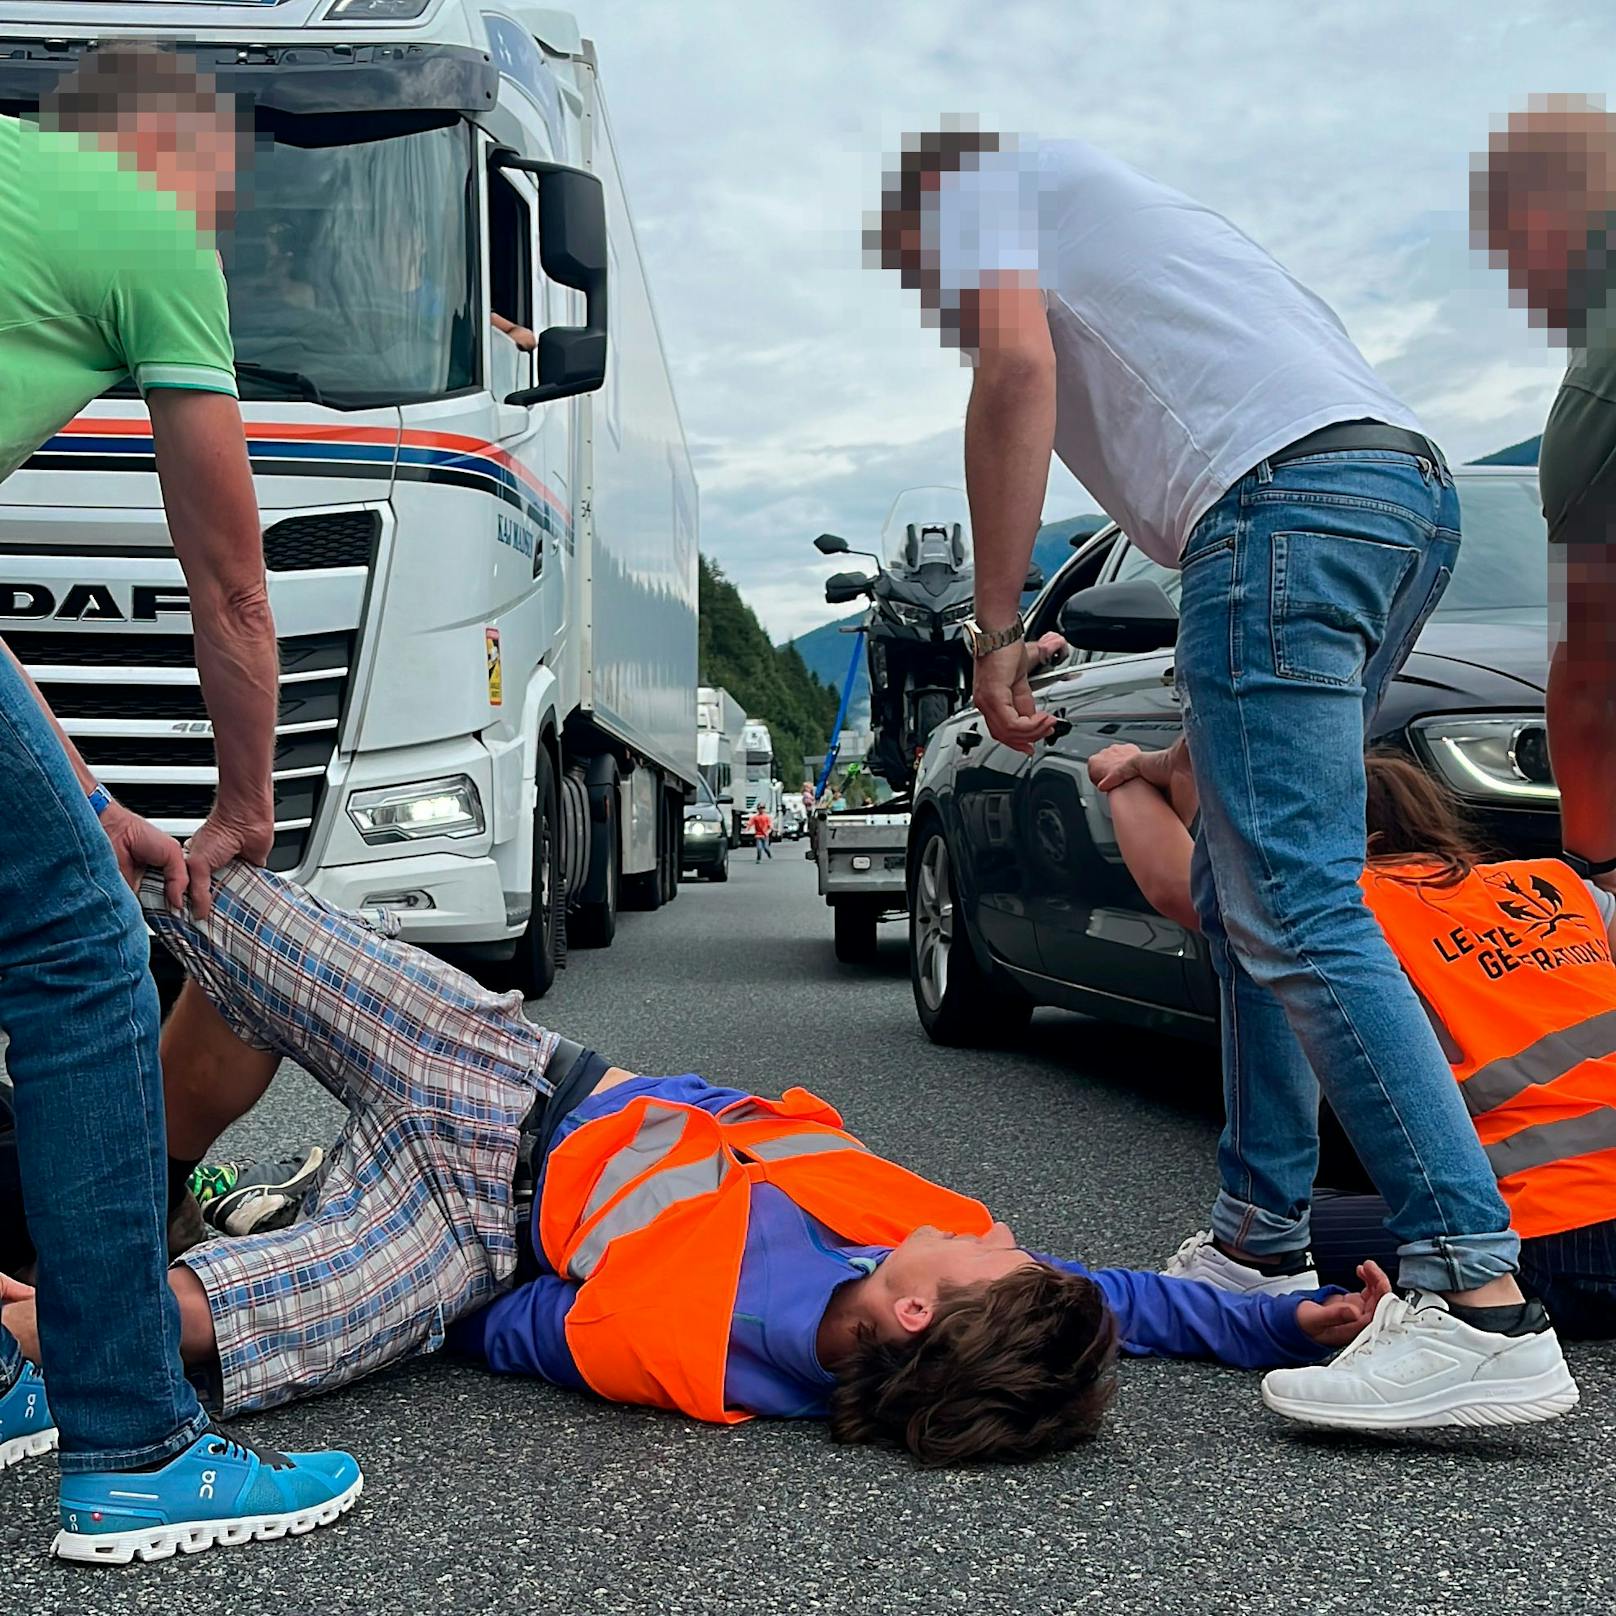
point(1544, 205)
point(108, 271)
point(761, 824)
point(1219, 411)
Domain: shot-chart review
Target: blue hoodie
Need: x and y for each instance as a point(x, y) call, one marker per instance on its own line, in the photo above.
point(792, 1265)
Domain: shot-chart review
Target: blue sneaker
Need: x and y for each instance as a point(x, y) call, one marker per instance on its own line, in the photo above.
point(218, 1491)
point(26, 1427)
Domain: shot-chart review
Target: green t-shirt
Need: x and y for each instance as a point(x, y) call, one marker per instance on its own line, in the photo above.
point(1577, 462)
point(102, 276)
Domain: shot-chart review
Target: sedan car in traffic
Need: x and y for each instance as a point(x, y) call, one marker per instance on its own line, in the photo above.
point(705, 850)
point(1018, 892)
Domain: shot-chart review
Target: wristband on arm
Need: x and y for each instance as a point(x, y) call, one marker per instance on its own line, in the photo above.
point(100, 799)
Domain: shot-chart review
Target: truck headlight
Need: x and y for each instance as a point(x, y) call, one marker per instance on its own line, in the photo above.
point(446, 807)
point(1500, 757)
point(374, 10)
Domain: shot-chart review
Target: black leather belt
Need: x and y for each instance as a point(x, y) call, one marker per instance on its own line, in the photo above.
point(562, 1063)
point(1360, 435)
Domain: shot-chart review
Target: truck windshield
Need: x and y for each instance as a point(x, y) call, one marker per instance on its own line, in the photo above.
point(349, 268)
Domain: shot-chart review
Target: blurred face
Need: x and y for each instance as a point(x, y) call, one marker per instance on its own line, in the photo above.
point(929, 1261)
point(192, 153)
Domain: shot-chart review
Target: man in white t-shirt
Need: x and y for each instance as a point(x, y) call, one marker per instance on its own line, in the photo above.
point(1221, 414)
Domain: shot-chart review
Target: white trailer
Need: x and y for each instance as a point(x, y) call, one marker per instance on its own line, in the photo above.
point(720, 721)
point(482, 561)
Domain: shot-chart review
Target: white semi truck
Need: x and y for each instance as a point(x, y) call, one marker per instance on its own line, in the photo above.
point(482, 561)
point(759, 788)
point(720, 721)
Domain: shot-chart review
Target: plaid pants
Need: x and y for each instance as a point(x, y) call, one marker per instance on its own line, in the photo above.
point(412, 1224)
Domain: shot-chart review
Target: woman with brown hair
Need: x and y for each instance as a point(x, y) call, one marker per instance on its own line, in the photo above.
point(1512, 961)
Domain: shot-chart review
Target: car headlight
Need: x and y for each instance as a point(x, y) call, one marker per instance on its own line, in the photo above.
point(374, 10)
point(446, 807)
point(1499, 757)
point(701, 827)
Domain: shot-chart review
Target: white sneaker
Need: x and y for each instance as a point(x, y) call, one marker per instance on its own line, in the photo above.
point(1416, 1366)
point(1199, 1259)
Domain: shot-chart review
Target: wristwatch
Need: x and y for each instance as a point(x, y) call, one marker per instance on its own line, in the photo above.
point(1588, 869)
point(985, 641)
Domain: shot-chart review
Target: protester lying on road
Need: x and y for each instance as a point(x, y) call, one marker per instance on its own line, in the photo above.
point(1513, 963)
point(691, 1247)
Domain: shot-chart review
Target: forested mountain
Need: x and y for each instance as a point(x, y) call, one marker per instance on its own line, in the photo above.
point(771, 682)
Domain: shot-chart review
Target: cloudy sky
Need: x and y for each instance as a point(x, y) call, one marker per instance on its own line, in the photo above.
point(752, 133)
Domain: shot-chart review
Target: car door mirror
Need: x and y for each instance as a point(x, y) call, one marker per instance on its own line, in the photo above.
point(1131, 616)
point(842, 587)
point(572, 249)
point(1035, 580)
point(831, 544)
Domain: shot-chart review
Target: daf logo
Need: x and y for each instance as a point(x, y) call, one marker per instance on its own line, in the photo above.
point(92, 603)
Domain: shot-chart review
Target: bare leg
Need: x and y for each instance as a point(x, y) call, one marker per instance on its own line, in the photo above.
point(197, 1345)
point(210, 1077)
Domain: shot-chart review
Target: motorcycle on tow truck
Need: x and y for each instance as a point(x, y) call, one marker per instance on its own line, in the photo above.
point(921, 596)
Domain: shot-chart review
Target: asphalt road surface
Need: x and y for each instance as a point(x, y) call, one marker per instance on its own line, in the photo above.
point(496, 1495)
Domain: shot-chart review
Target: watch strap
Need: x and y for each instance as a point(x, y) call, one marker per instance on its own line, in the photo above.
point(1588, 869)
point(984, 642)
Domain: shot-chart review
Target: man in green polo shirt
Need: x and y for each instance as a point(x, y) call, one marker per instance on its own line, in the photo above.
point(1545, 205)
point(108, 270)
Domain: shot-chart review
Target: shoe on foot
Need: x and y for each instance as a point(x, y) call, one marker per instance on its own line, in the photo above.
point(1416, 1366)
point(1199, 1258)
point(26, 1427)
point(219, 1491)
point(240, 1198)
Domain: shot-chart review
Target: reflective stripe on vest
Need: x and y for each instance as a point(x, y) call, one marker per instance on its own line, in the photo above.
point(1551, 1057)
point(1553, 1142)
point(657, 1137)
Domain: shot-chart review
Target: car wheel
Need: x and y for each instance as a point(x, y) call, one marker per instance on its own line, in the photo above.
point(856, 920)
point(720, 871)
point(959, 1003)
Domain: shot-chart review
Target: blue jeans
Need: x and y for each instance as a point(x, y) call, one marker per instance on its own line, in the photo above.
point(79, 1005)
point(1304, 589)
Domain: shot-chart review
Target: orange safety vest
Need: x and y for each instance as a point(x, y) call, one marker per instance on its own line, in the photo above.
point(1514, 969)
point(648, 1207)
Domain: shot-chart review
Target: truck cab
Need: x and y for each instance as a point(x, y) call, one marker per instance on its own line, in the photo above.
point(481, 555)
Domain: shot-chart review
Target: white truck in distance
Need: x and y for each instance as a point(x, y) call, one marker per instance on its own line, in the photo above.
point(759, 787)
point(482, 562)
point(720, 722)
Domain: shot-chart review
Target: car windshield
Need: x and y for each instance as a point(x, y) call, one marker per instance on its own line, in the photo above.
point(1503, 570)
point(926, 525)
point(351, 270)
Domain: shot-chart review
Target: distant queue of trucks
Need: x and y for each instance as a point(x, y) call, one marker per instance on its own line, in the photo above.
point(735, 756)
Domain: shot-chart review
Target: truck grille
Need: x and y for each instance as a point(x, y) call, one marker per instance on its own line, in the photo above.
point(318, 543)
point(150, 743)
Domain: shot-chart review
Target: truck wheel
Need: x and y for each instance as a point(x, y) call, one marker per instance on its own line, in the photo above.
point(672, 847)
point(533, 966)
point(855, 930)
point(959, 1003)
point(594, 925)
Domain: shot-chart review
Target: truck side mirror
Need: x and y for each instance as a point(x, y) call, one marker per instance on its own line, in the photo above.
point(572, 248)
point(842, 587)
point(830, 544)
point(1132, 616)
